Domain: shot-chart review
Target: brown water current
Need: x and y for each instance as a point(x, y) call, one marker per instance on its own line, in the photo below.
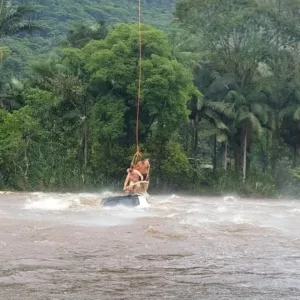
point(65, 246)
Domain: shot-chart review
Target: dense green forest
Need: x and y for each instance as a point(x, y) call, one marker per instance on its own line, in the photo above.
point(220, 103)
point(56, 18)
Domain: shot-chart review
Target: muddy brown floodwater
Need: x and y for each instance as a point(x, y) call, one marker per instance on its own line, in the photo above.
point(65, 246)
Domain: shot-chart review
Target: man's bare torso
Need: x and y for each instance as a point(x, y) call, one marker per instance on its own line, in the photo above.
point(143, 166)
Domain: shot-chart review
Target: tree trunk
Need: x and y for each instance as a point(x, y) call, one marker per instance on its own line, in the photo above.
point(230, 157)
point(195, 138)
point(245, 156)
point(295, 156)
point(215, 153)
point(237, 158)
point(274, 146)
point(85, 143)
point(225, 155)
point(266, 154)
point(186, 142)
point(26, 158)
point(192, 142)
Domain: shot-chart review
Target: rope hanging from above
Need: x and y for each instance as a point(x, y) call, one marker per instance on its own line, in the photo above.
point(139, 81)
point(138, 154)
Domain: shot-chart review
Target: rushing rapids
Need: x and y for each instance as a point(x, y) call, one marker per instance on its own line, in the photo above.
point(67, 246)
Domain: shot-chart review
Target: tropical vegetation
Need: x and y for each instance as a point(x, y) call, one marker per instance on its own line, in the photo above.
point(220, 101)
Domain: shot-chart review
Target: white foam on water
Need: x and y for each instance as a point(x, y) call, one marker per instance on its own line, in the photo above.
point(52, 202)
point(62, 202)
point(229, 199)
point(49, 204)
point(4, 215)
point(5, 192)
point(221, 209)
point(296, 210)
point(82, 209)
point(195, 209)
point(107, 193)
point(240, 219)
point(172, 215)
point(202, 212)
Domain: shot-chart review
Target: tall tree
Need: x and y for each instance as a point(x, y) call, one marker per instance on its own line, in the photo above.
point(237, 37)
point(166, 88)
point(81, 34)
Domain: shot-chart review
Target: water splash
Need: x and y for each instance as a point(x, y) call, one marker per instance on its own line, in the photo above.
point(51, 202)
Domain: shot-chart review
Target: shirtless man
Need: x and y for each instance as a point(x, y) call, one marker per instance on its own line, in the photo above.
point(143, 166)
point(130, 184)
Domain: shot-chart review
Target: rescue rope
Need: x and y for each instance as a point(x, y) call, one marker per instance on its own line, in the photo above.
point(138, 154)
point(140, 81)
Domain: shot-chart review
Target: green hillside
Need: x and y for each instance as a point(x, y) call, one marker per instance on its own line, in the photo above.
point(58, 16)
point(155, 12)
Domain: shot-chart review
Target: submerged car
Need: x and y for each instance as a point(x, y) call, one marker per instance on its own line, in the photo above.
point(125, 200)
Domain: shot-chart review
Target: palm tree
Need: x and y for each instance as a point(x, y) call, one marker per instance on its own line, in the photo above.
point(13, 19)
point(212, 106)
point(252, 112)
point(279, 82)
point(201, 108)
point(185, 47)
point(75, 99)
point(243, 111)
point(290, 125)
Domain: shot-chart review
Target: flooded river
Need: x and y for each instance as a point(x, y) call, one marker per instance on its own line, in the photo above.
point(65, 246)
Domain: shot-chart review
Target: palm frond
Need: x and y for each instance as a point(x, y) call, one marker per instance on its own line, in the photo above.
point(260, 111)
point(221, 83)
point(22, 26)
point(225, 109)
point(242, 116)
point(297, 114)
point(19, 11)
point(216, 87)
point(208, 132)
point(251, 119)
point(221, 125)
point(286, 112)
point(13, 19)
point(255, 124)
point(257, 97)
point(237, 98)
point(229, 79)
point(213, 131)
point(212, 115)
